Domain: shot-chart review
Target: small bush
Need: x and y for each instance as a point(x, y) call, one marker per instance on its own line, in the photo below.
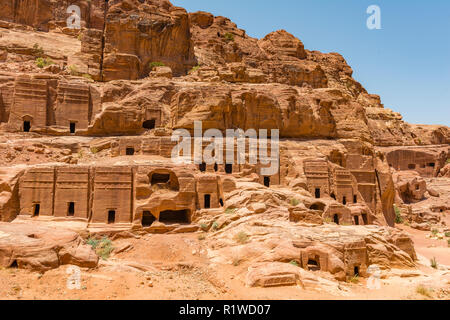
point(294, 202)
point(230, 210)
point(88, 77)
point(43, 62)
point(201, 237)
point(354, 279)
point(398, 215)
point(228, 36)
point(194, 69)
point(155, 64)
point(424, 291)
point(448, 161)
point(448, 242)
point(434, 232)
point(73, 70)
point(102, 247)
point(241, 237)
point(37, 50)
point(447, 234)
point(204, 227)
point(94, 150)
point(434, 263)
point(294, 263)
point(215, 225)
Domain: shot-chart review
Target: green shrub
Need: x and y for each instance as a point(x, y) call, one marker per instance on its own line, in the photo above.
point(448, 161)
point(434, 263)
point(155, 64)
point(94, 150)
point(204, 227)
point(73, 70)
point(424, 291)
point(87, 76)
point(43, 62)
point(241, 237)
point(434, 232)
point(294, 263)
point(37, 50)
point(294, 202)
point(102, 247)
point(398, 215)
point(230, 210)
point(447, 234)
point(194, 69)
point(215, 225)
point(228, 36)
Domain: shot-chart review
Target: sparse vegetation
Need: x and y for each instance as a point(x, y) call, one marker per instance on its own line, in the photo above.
point(398, 215)
point(354, 279)
point(43, 62)
point(294, 263)
point(102, 247)
point(155, 64)
point(424, 291)
point(434, 232)
point(204, 227)
point(228, 36)
point(241, 237)
point(88, 77)
point(448, 242)
point(230, 210)
point(37, 50)
point(215, 225)
point(434, 263)
point(194, 69)
point(294, 202)
point(447, 234)
point(94, 150)
point(73, 70)
point(201, 237)
point(448, 161)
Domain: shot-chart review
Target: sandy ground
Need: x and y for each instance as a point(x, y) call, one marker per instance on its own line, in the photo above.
point(176, 267)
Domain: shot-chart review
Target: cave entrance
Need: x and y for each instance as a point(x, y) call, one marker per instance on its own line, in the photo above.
point(71, 209)
point(36, 209)
point(73, 127)
point(149, 124)
point(207, 201)
point(160, 178)
point(229, 168)
point(356, 218)
point(130, 151)
point(147, 219)
point(221, 202)
point(317, 193)
point(267, 181)
point(174, 216)
point(356, 271)
point(344, 200)
point(14, 265)
point(313, 264)
point(333, 196)
point(355, 199)
point(111, 216)
point(365, 220)
point(216, 167)
point(26, 126)
point(202, 167)
point(336, 218)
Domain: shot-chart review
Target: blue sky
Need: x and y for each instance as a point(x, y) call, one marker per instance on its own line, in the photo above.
point(407, 62)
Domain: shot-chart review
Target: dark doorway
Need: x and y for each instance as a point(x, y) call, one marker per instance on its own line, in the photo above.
point(147, 219)
point(149, 124)
point(411, 166)
point(160, 178)
point(207, 201)
point(71, 209)
point(356, 271)
point(111, 216)
point(202, 167)
point(317, 193)
point(355, 199)
point(432, 165)
point(313, 265)
point(14, 264)
point(216, 167)
point(37, 209)
point(336, 218)
point(267, 181)
point(172, 216)
point(333, 196)
point(356, 218)
point(344, 200)
point(26, 126)
point(72, 127)
point(130, 151)
point(364, 217)
point(221, 202)
point(229, 168)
